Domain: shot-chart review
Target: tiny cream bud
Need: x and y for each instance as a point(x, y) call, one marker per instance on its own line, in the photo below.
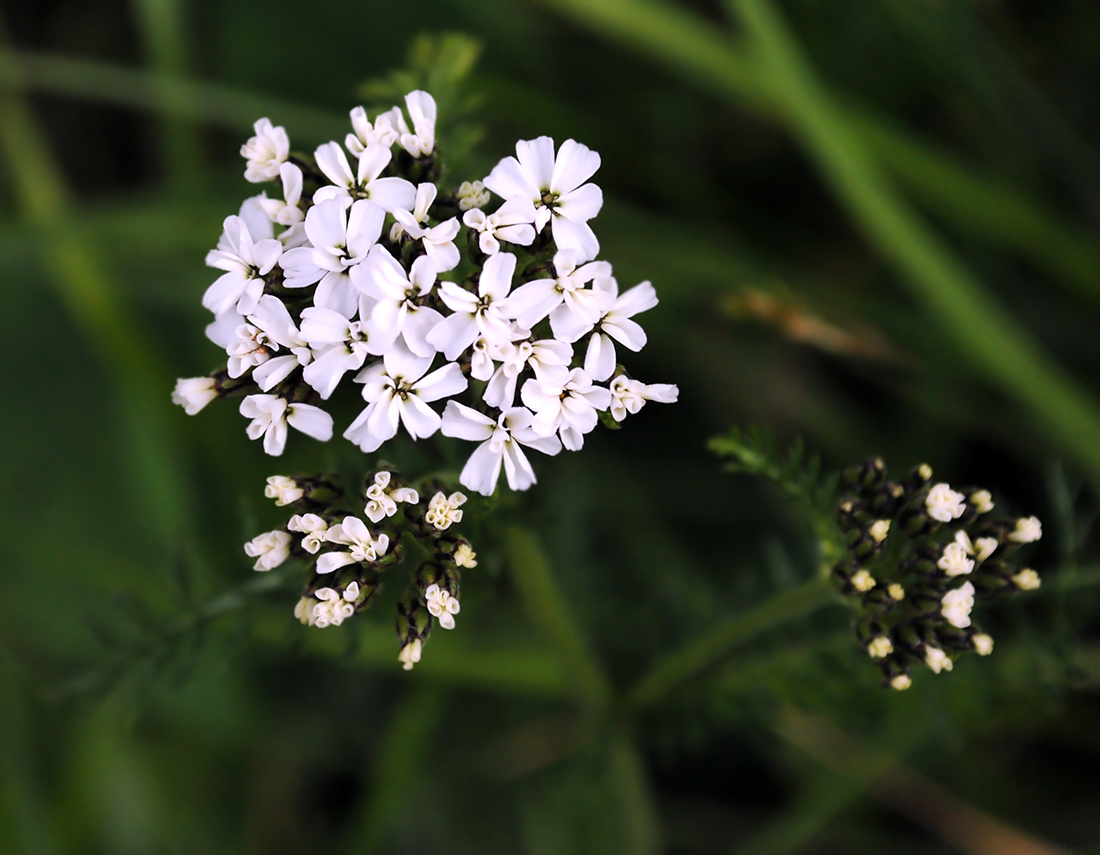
point(863, 581)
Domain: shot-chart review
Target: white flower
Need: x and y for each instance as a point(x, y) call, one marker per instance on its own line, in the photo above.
point(283, 490)
point(286, 212)
point(880, 647)
point(501, 442)
point(265, 152)
point(247, 346)
point(465, 556)
point(954, 562)
point(629, 396)
point(472, 194)
point(564, 298)
point(863, 581)
point(438, 241)
point(566, 402)
point(270, 549)
point(442, 606)
point(981, 548)
point(956, 606)
point(556, 187)
point(510, 223)
point(194, 393)
point(982, 500)
point(443, 511)
point(879, 529)
point(937, 660)
point(364, 134)
point(341, 233)
point(397, 391)
point(1027, 530)
point(391, 194)
point(613, 324)
point(410, 654)
point(245, 262)
point(346, 344)
point(382, 503)
point(313, 527)
point(271, 414)
point(397, 312)
point(541, 355)
point(983, 644)
point(476, 315)
point(352, 532)
point(1027, 580)
point(422, 111)
point(944, 504)
point(335, 606)
point(901, 682)
point(271, 316)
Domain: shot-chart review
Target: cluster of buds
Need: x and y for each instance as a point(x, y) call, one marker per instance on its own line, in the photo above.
point(918, 555)
point(346, 559)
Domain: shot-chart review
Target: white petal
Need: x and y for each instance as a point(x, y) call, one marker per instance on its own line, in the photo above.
point(575, 164)
point(441, 383)
point(599, 361)
point(461, 422)
point(482, 470)
point(310, 420)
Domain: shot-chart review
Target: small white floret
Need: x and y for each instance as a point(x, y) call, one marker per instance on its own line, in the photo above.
point(944, 504)
point(442, 606)
point(937, 660)
point(265, 152)
point(901, 682)
point(879, 529)
point(983, 644)
point(194, 393)
point(444, 511)
point(312, 528)
point(1027, 580)
point(270, 549)
point(982, 500)
point(283, 490)
point(1027, 530)
point(880, 647)
point(863, 581)
point(465, 556)
point(957, 604)
point(410, 654)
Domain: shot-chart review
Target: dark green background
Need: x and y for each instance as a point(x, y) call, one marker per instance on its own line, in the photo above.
point(871, 225)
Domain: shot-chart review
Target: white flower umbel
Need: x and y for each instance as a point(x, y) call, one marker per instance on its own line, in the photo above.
point(954, 561)
point(422, 110)
point(265, 152)
point(390, 194)
point(501, 444)
point(957, 604)
point(510, 223)
point(937, 660)
point(194, 393)
point(283, 490)
point(557, 188)
point(472, 194)
point(1027, 530)
point(629, 396)
point(564, 298)
point(443, 511)
point(566, 402)
point(397, 312)
point(382, 502)
point(476, 314)
point(410, 654)
point(364, 548)
point(245, 262)
point(442, 606)
point(341, 234)
point(312, 528)
point(335, 606)
point(270, 549)
point(271, 414)
point(397, 391)
point(944, 504)
point(438, 241)
point(346, 344)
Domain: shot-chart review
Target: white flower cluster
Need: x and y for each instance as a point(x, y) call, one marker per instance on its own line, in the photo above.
point(341, 277)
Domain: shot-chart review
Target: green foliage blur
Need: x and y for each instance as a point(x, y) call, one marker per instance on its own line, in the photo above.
point(872, 226)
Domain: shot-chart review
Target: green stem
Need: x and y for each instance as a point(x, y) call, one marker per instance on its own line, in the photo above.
point(550, 613)
point(709, 649)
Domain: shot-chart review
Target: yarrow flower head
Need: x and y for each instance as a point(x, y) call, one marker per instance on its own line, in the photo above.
point(920, 556)
point(351, 278)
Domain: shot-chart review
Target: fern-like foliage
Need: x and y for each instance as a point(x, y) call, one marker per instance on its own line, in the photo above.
point(796, 473)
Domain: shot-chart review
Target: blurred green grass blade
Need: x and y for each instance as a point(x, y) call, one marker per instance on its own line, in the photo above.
point(551, 615)
point(162, 27)
point(157, 93)
point(396, 778)
point(89, 295)
point(699, 654)
point(641, 832)
point(985, 207)
point(987, 335)
point(707, 56)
